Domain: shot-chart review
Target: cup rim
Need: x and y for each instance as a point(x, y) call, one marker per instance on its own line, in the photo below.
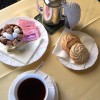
point(24, 77)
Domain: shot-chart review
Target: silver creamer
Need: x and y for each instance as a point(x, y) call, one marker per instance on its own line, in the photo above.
point(53, 11)
point(51, 16)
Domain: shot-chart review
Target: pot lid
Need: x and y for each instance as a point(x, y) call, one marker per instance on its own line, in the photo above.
point(53, 3)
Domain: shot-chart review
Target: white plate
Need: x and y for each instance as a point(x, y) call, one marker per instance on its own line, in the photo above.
point(93, 54)
point(41, 50)
point(88, 41)
point(52, 88)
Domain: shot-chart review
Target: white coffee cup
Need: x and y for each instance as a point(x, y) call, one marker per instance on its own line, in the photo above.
point(27, 76)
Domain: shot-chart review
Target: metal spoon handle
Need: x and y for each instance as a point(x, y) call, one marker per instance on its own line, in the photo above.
point(41, 64)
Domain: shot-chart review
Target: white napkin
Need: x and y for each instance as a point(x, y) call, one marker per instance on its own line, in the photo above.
point(85, 39)
point(24, 53)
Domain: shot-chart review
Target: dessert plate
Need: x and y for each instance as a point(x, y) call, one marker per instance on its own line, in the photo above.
point(52, 88)
point(92, 60)
point(89, 43)
point(40, 51)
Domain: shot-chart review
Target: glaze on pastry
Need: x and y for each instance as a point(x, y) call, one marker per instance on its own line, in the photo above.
point(68, 41)
point(79, 53)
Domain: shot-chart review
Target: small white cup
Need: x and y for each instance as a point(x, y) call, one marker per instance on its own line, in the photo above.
point(27, 76)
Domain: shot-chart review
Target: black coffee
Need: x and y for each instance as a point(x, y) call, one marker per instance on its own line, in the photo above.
point(31, 89)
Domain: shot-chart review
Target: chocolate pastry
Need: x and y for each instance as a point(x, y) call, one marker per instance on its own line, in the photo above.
point(11, 35)
point(19, 37)
point(15, 42)
point(9, 43)
point(3, 40)
point(6, 27)
point(9, 30)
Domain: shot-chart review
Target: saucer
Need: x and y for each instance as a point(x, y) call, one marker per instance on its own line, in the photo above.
point(94, 55)
point(89, 43)
point(52, 88)
point(39, 52)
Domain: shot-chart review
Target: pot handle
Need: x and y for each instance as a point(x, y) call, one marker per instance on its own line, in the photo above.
point(63, 14)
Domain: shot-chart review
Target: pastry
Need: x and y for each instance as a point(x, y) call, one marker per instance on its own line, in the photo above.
point(68, 41)
point(79, 53)
point(11, 35)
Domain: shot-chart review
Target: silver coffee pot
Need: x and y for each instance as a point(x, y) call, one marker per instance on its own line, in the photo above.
point(53, 11)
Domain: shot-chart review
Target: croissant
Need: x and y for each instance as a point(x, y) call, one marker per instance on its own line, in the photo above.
point(79, 53)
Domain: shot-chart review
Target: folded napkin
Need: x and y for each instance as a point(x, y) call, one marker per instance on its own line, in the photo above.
point(85, 39)
point(24, 52)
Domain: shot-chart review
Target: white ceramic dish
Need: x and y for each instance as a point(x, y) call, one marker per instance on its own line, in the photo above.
point(94, 57)
point(52, 88)
point(38, 54)
point(88, 41)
